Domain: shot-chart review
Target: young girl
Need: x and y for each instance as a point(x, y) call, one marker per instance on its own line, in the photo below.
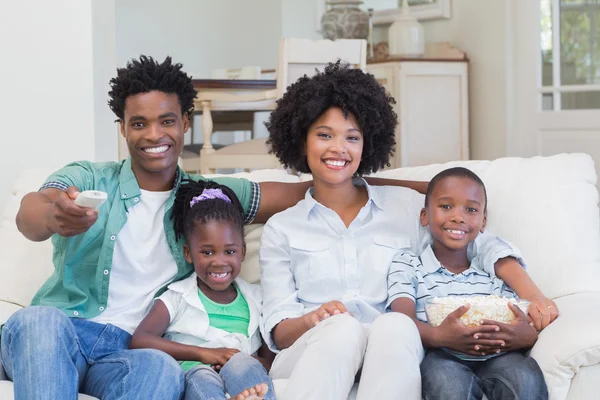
point(210, 320)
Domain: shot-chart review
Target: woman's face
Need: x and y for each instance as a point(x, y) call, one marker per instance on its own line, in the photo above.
point(334, 147)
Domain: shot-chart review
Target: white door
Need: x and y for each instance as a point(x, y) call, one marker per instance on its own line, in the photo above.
point(557, 78)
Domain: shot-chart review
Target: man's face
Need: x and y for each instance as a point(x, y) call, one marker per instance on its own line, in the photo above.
point(153, 128)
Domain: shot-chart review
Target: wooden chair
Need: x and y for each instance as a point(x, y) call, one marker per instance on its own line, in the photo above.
point(297, 57)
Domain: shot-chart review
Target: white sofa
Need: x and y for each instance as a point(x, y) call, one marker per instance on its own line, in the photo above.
point(547, 206)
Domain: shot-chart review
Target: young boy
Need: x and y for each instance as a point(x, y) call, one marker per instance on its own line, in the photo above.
point(462, 362)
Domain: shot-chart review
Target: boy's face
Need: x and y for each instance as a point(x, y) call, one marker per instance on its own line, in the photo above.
point(216, 249)
point(153, 128)
point(455, 213)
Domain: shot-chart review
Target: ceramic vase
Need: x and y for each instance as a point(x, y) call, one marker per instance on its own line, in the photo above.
point(344, 20)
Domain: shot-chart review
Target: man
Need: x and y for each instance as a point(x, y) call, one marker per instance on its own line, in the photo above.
point(110, 263)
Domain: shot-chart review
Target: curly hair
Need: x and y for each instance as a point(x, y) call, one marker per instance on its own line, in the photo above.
point(354, 92)
point(186, 216)
point(455, 172)
point(145, 75)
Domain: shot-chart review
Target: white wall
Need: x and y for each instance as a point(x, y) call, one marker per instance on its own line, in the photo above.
point(104, 68)
point(47, 81)
point(201, 34)
point(481, 29)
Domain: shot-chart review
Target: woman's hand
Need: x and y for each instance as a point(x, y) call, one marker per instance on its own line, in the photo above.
point(325, 311)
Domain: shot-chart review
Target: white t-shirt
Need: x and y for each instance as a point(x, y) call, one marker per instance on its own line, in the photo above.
point(141, 265)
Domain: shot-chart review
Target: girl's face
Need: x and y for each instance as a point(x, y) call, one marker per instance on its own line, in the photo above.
point(334, 147)
point(217, 250)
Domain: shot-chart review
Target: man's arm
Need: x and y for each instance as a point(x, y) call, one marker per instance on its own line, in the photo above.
point(419, 186)
point(278, 196)
point(50, 211)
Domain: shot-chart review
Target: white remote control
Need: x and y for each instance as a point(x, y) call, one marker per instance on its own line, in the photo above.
point(91, 198)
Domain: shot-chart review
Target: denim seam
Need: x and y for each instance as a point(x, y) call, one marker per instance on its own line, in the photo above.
point(7, 337)
point(89, 361)
point(505, 382)
point(198, 389)
point(125, 363)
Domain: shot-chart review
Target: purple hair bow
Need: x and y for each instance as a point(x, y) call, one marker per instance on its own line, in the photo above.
point(208, 194)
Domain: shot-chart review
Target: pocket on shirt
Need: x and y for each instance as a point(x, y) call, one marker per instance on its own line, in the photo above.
point(385, 249)
point(311, 260)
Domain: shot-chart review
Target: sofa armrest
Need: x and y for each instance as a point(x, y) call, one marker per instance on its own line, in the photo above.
point(570, 342)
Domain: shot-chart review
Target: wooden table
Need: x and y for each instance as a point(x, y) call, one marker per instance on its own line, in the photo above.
point(222, 111)
point(207, 87)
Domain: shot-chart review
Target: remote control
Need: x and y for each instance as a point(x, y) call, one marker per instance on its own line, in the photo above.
point(91, 198)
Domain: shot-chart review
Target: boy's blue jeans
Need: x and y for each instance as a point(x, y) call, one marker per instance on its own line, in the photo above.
point(47, 355)
point(505, 377)
point(241, 372)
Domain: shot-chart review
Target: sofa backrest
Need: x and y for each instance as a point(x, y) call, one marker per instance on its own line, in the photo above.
point(547, 206)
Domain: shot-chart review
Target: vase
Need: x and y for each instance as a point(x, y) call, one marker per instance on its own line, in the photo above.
point(405, 36)
point(344, 20)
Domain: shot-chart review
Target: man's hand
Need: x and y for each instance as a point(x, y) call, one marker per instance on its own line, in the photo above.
point(542, 311)
point(325, 311)
point(216, 358)
point(68, 219)
point(517, 335)
point(454, 335)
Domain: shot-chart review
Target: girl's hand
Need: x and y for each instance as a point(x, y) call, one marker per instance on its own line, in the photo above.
point(454, 335)
point(542, 311)
point(518, 335)
point(216, 358)
point(325, 311)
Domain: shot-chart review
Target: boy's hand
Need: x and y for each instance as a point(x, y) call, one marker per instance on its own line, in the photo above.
point(518, 335)
point(67, 218)
point(216, 358)
point(325, 311)
point(454, 335)
point(542, 311)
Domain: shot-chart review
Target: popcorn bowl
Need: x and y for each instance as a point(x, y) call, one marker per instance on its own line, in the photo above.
point(482, 307)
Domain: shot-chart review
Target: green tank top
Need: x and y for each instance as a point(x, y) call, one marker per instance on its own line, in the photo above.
point(233, 317)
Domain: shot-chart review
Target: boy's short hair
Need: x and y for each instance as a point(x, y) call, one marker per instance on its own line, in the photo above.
point(456, 172)
point(353, 91)
point(145, 75)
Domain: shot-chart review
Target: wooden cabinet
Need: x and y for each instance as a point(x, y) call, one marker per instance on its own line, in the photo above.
point(432, 107)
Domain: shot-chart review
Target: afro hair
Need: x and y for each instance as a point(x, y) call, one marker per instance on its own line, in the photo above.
point(145, 75)
point(339, 85)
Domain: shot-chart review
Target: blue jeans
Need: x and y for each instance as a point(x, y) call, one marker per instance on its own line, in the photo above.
point(504, 377)
point(49, 356)
point(241, 372)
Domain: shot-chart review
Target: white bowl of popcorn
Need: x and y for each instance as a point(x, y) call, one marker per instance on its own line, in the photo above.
point(482, 307)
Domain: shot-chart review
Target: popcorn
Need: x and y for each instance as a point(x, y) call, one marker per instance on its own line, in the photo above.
point(482, 307)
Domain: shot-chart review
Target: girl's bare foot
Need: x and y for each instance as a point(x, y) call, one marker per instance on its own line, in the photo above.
point(254, 393)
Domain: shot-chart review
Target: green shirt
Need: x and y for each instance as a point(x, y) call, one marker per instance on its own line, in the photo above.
point(82, 263)
point(233, 317)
